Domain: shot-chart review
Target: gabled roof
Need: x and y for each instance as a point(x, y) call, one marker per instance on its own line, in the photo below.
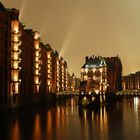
point(94, 62)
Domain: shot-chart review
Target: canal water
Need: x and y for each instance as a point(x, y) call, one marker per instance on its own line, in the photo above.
point(65, 121)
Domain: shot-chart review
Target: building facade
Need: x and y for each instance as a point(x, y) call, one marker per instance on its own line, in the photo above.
point(29, 70)
point(101, 74)
point(132, 81)
point(94, 75)
point(114, 73)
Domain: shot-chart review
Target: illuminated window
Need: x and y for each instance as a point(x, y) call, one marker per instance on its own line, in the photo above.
point(48, 55)
point(15, 55)
point(15, 26)
point(14, 75)
point(36, 79)
point(15, 65)
point(36, 44)
point(15, 47)
point(36, 65)
point(37, 53)
point(48, 81)
point(15, 38)
point(36, 35)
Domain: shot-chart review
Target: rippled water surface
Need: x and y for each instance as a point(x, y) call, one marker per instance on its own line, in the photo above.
point(118, 121)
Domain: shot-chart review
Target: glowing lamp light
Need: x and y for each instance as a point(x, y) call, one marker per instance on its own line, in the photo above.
point(15, 26)
point(15, 56)
point(89, 92)
point(37, 53)
point(86, 70)
point(15, 78)
point(97, 91)
point(15, 47)
point(15, 64)
point(36, 80)
point(36, 36)
point(37, 44)
point(85, 98)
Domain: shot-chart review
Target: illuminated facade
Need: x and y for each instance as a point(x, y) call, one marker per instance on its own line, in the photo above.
point(55, 72)
point(29, 69)
point(94, 75)
point(37, 62)
point(49, 56)
point(61, 72)
point(101, 74)
point(132, 81)
point(15, 57)
point(65, 76)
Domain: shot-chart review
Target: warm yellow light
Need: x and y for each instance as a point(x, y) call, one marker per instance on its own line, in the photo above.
point(93, 69)
point(36, 35)
point(48, 55)
point(48, 81)
point(49, 66)
point(36, 80)
point(37, 44)
point(36, 65)
point(16, 88)
point(101, 70)
point(36, 72)
point(57, 63)
point(97, 91)
point(15, 47)
point(15, 26)
point(49, 61)
point(15, 56)
point(37, 53)
point(86, 70)
point(15, 64)
point(14, 75)
point(15, 38)
point(49, 71)
point(36, 59)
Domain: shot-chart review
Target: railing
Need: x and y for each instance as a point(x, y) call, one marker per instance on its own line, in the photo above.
point(129, 92)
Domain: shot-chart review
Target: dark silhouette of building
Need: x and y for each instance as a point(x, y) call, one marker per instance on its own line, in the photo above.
point(114, 73)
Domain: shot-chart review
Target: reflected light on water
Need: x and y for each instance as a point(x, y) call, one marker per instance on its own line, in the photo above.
point(136, 109)
point(37, 128)
point(136, 104)
point(94, 123)
point(103, 119)
point(116, 121)
point(16, 131)
point(49, 122)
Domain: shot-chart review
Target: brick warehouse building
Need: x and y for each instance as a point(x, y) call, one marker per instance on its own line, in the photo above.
point(101, 74)
point(29, 70)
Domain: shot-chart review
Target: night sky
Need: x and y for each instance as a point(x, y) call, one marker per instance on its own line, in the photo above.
point(76, 28)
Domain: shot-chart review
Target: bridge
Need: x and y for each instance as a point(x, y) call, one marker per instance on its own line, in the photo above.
point(130, 92)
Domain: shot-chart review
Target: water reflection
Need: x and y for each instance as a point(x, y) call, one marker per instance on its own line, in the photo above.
point(96, 123)
point(66, 121)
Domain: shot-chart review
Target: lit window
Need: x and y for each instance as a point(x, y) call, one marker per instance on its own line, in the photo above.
point(37, 53)
point(15, 47)
point(15, 26)
point(36, 79)
point(15, 65)
point(37, 44)
point(36, 35)
point(15, 56)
